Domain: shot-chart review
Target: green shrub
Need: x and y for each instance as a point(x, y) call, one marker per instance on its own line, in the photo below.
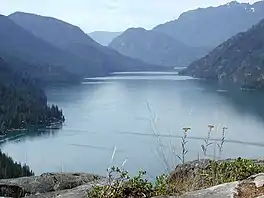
point(186, 178)
point(121, 185)
point(229, 171)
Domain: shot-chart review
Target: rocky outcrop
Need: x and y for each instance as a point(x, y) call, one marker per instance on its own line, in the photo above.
point(50, 185)
point(249, 188)
point(77, 185)
point(189, 169)
point(62, 185)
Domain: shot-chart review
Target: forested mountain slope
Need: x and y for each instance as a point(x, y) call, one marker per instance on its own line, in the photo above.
point(156, 48)
point(240, 59)
point(213, 25)
point(22, 102)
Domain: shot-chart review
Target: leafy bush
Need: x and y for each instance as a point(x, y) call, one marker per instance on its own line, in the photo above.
point(229, 171)
point(121, 185)
point(187, 177)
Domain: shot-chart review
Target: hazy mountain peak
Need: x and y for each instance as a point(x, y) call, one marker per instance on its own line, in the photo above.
point(54, 31)
point(104, 37)
point(232, 3)
point(48, 18)
point(213, 25)
point(93, 57)
point(155, 48)
point(137, 29)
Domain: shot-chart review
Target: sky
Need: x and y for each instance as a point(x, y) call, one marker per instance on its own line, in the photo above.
point(109, 15)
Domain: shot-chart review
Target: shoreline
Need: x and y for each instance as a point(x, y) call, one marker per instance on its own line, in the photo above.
point(37, 127)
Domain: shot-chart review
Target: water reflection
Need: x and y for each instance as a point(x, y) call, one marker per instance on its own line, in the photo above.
point(32, 134)
point(244, 101)
point(115, 114)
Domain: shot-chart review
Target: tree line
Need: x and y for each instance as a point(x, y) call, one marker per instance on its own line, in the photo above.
point(22, 102)
point(11, 169)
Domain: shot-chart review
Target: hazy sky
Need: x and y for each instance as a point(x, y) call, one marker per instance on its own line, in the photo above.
point(111, 15)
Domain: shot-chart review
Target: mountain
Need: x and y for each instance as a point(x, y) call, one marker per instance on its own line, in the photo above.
point(43, 74)
point(213, 25)
point(240, 60)
point(103, 37)
point(155, 48)
point(97, 60)
point(51, 30)
point(22, 102)
point(20, 46)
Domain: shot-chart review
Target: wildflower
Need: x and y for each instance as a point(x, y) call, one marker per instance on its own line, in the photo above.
point(186, 129)
point(211, 126)
point(223, 132)
point(183, 144)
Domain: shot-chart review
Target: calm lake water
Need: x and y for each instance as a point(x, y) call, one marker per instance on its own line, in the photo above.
point(138, 118)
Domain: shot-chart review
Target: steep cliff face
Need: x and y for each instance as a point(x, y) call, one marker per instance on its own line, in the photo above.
point(240, 59)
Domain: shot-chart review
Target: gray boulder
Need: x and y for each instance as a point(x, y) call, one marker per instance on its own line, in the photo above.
point(45, 183)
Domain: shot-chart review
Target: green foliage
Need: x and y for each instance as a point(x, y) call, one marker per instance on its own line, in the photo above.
point(22, 102)
point(11, 169)
point(121, 185)
point(184, 144)
point(229, 171)
point(207, 142)
point(238, 60)
point(187, 177)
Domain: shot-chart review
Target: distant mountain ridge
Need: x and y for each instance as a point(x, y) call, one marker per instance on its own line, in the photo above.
point(21, 48)
point(104, 37)
point(213, 25)
point(240, 60)
point(155, 48)
point(178, 43)
point(91, 59)
point(52, 30)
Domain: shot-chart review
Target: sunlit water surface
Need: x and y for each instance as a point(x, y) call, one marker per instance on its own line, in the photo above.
point(137, 118)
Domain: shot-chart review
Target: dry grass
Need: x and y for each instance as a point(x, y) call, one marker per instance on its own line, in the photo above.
point(249, 190)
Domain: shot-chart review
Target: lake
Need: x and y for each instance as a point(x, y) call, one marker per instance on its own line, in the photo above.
point(136, 120)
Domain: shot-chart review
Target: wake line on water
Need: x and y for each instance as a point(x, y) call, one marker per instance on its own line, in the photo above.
point(136, 78)
point(140, 134)
point(171, 136)
point(194, 138)
point(146, 73)
point(95, 147)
